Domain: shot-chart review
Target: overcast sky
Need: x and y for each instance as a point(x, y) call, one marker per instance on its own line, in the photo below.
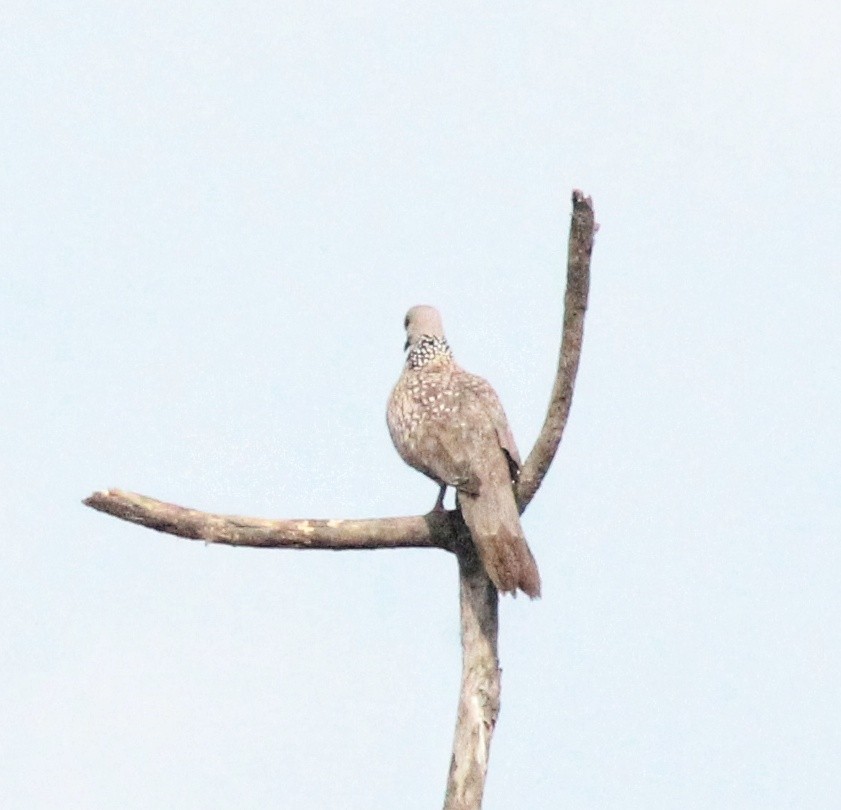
point(214, 217)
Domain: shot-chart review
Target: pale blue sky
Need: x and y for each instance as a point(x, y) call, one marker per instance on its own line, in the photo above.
point(213, 220)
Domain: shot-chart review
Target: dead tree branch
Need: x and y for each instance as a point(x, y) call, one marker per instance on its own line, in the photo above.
point(478, 702)
point(582, 231)
point(480, 686)
point(435, 530)
point(480, 676)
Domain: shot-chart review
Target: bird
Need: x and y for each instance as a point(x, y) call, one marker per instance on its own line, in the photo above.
point(450, 425)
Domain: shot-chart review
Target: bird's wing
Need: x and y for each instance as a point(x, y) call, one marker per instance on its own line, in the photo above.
point(488, 401)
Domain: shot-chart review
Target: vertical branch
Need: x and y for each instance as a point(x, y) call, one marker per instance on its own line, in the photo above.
point(478, 704)
point(582, 230)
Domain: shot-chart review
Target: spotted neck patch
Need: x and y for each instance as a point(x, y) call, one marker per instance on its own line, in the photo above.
point(427, 349)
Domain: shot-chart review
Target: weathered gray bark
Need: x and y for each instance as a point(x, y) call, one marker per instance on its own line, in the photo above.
point(478, 702)
point(480, 686)
point(480, 677)
point(434, 530)
point(582, 231)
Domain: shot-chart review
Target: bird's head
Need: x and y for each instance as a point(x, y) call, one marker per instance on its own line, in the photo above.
point(422, 321)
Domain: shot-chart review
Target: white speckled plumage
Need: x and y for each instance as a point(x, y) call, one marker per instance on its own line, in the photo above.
point(450, 425)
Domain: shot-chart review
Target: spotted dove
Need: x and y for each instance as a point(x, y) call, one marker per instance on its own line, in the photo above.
point(450, 425)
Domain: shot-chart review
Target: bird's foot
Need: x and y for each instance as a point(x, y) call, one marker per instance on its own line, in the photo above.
point(439, 504)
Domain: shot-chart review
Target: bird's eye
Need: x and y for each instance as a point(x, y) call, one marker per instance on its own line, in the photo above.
point(406, 323)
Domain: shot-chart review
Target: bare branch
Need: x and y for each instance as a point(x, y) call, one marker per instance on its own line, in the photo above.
point(581, 232)
point(435, 530)
point(478, 704)
point(480, 677)
point(480, 686)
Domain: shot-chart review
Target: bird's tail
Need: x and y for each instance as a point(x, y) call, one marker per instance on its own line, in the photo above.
point(494, 524)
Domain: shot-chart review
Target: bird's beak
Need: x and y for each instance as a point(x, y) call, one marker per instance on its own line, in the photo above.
point(406, 345)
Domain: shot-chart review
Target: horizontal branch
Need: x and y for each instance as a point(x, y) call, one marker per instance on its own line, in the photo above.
point(435, 530)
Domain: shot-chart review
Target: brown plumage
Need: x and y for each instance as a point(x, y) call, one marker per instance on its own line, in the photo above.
point(450, 425)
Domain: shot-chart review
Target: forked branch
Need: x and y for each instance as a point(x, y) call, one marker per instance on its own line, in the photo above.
point(480, 688)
